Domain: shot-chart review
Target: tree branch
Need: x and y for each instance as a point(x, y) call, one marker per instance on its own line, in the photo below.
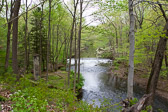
point(68, 8)
point(163, 12)
point(150, 2)
point(2, 5)
point(23, 13)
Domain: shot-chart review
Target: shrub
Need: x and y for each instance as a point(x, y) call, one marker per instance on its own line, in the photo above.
point(81, 80)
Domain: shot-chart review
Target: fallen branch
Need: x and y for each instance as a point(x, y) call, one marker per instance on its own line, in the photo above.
point(138, 107)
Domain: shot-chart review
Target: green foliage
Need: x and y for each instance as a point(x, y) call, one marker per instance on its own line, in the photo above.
point(9, 80)
point(81, 80)
point(148, 109)
point(2, 98)
point(63, 99)
point(63, 68)
point(133, 101)
point(107, 55)
point(3, 32)
point(2, 61)
point(164, 72)
point(85, 107)
point(38, 35)
point(28, 100)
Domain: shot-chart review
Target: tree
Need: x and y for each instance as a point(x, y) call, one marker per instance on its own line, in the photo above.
point(71, 38)
point(156, 67)
point(38, 37)
point(8, 33)
point(49, 36)
point(132, 49)
point(41, 24)
point(79, 38)
point(15, 36)
point(25, 38)
point(1, 5)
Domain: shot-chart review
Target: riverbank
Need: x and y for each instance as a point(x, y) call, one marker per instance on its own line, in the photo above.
point(30, 95)
point(140, 78)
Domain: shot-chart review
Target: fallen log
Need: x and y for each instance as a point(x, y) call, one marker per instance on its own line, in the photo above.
point(138, 107)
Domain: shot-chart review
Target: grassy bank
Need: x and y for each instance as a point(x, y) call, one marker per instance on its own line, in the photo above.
point(27, 95)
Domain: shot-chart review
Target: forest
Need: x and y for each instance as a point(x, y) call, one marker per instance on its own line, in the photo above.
point(83, 55)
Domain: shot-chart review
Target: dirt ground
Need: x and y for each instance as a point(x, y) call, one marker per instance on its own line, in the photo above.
point(141, 79)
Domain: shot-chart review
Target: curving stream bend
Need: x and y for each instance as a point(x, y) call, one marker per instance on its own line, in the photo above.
point(99, 85)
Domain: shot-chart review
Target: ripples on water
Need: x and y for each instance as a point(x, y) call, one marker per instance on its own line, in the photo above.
point(99, 85)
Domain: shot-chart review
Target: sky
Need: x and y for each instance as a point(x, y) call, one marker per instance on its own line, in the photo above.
point(88, 11)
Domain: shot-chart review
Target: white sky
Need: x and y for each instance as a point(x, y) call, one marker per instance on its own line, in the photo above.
point(87, 12)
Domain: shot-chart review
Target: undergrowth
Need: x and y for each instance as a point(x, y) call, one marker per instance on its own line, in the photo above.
point(36, 96)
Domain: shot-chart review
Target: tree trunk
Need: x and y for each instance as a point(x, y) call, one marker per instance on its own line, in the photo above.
point(56, 61)
point(154, 75)
point(79, 38)
point(15, 37)
point(65, 47)
point(166, 63)
point(48, 40)
point(74, 89)
point(121, 40)
point(2, 4)
point(71, 38)
point(67, 53)
point(116, 33)
point(131, 53)
point(8, 34)
point(53, 41)
point(8, 46)
point(41, 22)
point(25, 39)
point(156, 67)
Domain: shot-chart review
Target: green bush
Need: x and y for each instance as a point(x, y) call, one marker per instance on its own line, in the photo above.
point(107, 55)
point(81, 80)
point(133, 101)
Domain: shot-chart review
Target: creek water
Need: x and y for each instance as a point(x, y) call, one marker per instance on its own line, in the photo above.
point(100, 86)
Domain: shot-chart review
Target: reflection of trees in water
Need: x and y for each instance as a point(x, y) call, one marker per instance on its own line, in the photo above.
point(110, 86)
point(115, 82)
point(92, 97)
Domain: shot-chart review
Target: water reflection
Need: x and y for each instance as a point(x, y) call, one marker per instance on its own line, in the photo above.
point(99, 84)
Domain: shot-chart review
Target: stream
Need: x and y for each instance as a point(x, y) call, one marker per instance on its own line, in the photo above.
point(100, 86)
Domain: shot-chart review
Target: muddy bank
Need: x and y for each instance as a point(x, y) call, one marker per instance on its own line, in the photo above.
point(141, 79)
